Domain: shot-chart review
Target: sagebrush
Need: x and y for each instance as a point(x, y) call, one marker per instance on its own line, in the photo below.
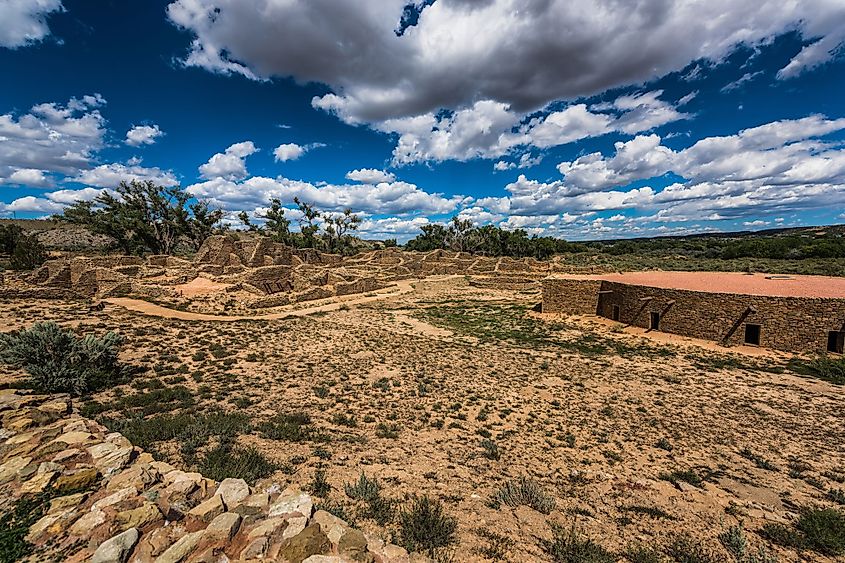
point(59, 361)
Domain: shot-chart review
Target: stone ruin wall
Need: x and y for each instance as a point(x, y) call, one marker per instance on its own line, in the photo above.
point(792, 324)
point(571, 297)
point(114, 503)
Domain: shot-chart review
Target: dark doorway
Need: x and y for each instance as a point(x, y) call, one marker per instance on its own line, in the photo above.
point(835, 341)
point(615, 313)
point(752, 334)
point(654, 321)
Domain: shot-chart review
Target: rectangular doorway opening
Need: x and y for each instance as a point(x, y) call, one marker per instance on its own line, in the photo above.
point(752, 334)
point(654, 321)
point(615, 313)
point(835, 341)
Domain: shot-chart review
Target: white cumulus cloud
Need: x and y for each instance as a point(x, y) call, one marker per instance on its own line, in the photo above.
point(229, 165)
point(25, 21)
point(370, 176)
point(143, 135)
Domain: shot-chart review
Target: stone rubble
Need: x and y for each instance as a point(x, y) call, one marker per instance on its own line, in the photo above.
point(114, 503)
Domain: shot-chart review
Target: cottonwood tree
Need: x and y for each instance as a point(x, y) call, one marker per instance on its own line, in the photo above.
point(144, 217)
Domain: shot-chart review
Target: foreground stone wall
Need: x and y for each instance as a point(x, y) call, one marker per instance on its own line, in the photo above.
point(792, 324)
point(113, 503)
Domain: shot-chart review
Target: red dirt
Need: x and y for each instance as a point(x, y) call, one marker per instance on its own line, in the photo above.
point(773, 285)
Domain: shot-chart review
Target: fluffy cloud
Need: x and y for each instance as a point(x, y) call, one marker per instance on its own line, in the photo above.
point(288, 151)
point(110, 175)
point(143, 135)
point(376, 74)
point(394, 197)
point(25, 21)
point(28, 177)
point(766, 170)
point(52, 137)
point(53, 202)
point(490, 129)
point(392, 227)
point(229, 165)
point(30, 204)
point(370, 176)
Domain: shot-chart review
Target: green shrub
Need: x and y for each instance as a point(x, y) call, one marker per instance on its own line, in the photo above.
point(319, 485)
point(497, 545)
point(684, 549)
point(425, 527)
point(523, 491)
point(363, 489)
point(569, 547)
point(28, 254)
point(828, 368)
point(58, 361)
point(24, 251)
point(817, 529)
point(642, 554)
point(687, 476)
point(491, 449)
point(15, 524)
point(294, 427)
point(227, 460)
point(823, 530)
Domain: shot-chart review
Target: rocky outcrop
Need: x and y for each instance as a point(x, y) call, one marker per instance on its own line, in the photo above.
point(100, 499)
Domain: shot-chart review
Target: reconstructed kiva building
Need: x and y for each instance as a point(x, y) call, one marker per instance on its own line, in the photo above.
point(784, 312)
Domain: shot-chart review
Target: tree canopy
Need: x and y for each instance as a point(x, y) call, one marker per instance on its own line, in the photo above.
point(462, 236)
point(146, 218)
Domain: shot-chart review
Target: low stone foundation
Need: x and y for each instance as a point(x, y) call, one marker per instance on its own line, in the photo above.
point(113, 503)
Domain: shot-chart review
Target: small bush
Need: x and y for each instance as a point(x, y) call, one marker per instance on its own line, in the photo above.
point(642, 554)
point(15, 524)
point(734, 541)
point(817, 529)
point(59, 361)
point(687, 476)
point(294, 427)
point(363, 489)
point(823, 530)
point(227, 460)
point(837, 496)
point(28, 254)
point(387, 430)
point(567, 546)
point(684, 549)
point(425, 527)
point(497, 545)
point(526, 492)
point(319, 485)
point(822, 367)
point(491, 449)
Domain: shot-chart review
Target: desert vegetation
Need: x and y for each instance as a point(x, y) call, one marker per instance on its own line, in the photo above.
point(457, 422)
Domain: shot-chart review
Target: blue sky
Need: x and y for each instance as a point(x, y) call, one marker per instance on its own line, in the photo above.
point(576, 119)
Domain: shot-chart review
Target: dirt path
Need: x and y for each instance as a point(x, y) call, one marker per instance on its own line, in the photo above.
point(401, 287)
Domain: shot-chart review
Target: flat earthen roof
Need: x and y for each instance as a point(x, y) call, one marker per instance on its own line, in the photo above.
point(775, 285)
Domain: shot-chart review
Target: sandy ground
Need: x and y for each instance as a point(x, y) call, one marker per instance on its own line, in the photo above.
point(408, 384)
point(730, 282)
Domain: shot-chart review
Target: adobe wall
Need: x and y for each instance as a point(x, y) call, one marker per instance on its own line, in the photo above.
point(793, 324)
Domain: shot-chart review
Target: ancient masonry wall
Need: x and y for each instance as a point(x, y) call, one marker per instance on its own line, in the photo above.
point(113, 503)
point(572, 297)
point(794, 324)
